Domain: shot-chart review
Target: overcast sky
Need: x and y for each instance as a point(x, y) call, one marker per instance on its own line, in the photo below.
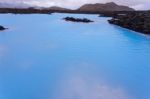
point(137, 4)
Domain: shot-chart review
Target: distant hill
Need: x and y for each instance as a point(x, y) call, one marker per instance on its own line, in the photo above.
point(111, 6)
point(22, 5)
point(57, 8)
point(87, 8)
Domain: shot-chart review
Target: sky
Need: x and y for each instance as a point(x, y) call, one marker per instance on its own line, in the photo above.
point(73, 4)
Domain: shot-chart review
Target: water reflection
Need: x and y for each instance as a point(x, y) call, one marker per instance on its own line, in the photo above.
point(79, 83)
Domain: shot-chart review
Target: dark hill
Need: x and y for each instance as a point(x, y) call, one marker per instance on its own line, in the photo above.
point(98, 7)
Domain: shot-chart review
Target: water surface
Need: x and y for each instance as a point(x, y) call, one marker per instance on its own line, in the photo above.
point(44, 57)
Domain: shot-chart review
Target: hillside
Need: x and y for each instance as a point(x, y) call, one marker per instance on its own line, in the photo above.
point(104, 7)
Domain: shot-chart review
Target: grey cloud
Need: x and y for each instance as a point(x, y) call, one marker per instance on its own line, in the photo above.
point(77, 3)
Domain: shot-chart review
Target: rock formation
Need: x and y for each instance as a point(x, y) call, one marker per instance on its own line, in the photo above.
point(85, 20)
point(137, 21)
point(2, 28)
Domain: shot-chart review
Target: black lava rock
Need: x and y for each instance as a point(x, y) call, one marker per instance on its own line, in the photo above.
point(136, 21)
point(2, 28)
point(85, 20)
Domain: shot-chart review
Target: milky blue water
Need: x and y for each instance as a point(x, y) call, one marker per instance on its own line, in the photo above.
point(44, 57)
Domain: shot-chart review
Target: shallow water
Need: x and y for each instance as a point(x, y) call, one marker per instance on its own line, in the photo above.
point(44, 57)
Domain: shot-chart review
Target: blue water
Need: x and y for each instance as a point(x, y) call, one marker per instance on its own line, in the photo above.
point(44, 57)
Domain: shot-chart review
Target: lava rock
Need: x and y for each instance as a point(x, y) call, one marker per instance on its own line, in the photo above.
point(136, 21)
point(85, 20)
point(2, 28)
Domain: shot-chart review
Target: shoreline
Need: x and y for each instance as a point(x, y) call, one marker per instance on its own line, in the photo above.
point(138, 22)
point(49, 11)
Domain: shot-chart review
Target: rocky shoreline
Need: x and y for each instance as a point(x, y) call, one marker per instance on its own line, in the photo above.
point(72, 19)
point(136, 21)
point(25, 11)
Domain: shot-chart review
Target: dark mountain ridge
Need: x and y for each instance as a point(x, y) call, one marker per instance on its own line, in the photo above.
point(98, 7)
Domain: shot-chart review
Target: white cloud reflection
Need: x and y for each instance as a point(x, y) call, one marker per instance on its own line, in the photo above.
point(80, 85)
point(3, 50)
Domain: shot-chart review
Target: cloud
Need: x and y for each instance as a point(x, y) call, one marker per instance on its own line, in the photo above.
point(145, 6)
point(74, 3)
